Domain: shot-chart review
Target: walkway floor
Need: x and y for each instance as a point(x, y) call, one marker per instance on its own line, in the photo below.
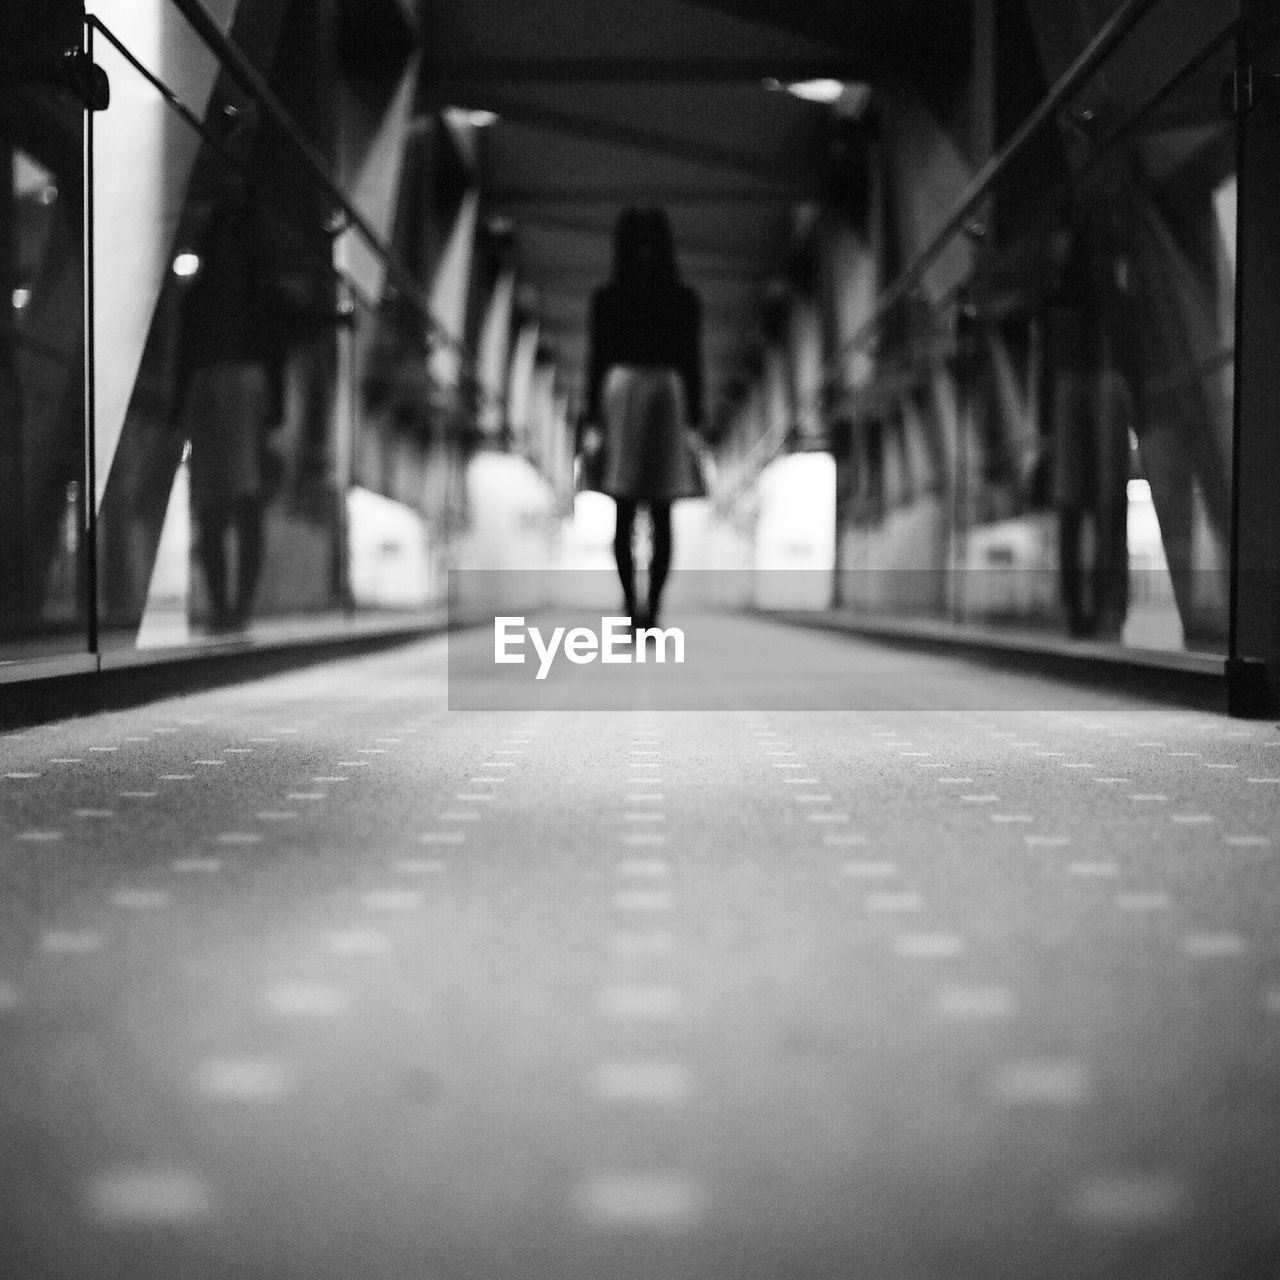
point(314, 978)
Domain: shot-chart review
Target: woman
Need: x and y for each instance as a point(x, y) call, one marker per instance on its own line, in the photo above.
point(644, 389)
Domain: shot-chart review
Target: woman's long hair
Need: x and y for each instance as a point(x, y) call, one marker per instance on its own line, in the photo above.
point(644, 252)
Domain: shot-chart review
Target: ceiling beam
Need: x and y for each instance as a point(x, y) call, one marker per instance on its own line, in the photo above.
point(635, 137)
point(717, 256)
point(685, 70)
point(647, 193)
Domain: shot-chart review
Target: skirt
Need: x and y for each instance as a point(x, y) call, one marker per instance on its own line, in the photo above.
point(649, 456)
point(225, 412)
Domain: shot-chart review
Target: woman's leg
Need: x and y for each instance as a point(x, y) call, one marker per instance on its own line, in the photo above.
point(660, 564)
point(624, 554)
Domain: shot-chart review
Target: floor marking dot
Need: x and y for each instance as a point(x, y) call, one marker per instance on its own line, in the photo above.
point(305, 999)
point(39, 837)
point(634, 839)
point(357, 942)
point(1221, 766)
point(1248, 842)
point(652, 815)
point(666, 1203)
point(459, 815)
point(242, 1079)
point(1042, 1082)
point(467, 796)
point(1257, 780)
point(216, 764)
point(641, 1002)
point(643, 900)
point(1112, 781)
point(954, 782)
point(95, 813)
point(1123, 1201)
point(659, 1082)
point(980, 798)
point(869, 870)
point(1213, 946)
point(1046, 842)
point(148, 1195)
point(70, 942)
point(306, 795)
point(907, 900)
point(142, 899)
point(207, 865)
point(979, 1002)
point(828, 817)
point(353, 764)
point(330, 777)
point(1007, 818)
point(237, 751)
point(19, 776)
point(649, 868)
point(239, 837)
point(80, 760)
point(418, 866)
point(1142, 900)
point(104, 750)
point(442, 837)
point(1153, 797)
point(394, 900)
point(929, 946)
point(641, 944)
point(175, 777)
point(10, 997)
point(811, 798)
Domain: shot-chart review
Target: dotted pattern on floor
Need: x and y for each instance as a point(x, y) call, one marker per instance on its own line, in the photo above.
point(312, 977)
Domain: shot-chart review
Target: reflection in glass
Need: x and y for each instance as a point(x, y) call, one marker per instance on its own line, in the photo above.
point(42, 556)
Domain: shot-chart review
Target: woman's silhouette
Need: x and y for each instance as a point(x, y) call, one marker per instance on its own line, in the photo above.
point(644, 391)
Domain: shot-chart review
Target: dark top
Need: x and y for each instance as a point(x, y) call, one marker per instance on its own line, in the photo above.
point(646, 325)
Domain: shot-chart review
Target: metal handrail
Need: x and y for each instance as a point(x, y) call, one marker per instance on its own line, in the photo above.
point(245, 74)
point(1108, 38)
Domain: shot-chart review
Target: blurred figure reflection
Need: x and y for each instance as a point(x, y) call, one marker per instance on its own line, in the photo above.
point(229, 385)
point(644, 394)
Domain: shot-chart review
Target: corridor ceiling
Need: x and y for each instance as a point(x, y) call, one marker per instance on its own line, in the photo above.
point(603, 103)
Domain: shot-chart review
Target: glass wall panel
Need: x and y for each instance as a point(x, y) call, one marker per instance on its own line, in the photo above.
point(1075, 386)
point(43, 551)
point(223, 507)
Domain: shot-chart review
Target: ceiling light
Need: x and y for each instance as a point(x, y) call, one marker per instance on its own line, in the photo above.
point(186, 265)
point(817, 90)
point(476, 118)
